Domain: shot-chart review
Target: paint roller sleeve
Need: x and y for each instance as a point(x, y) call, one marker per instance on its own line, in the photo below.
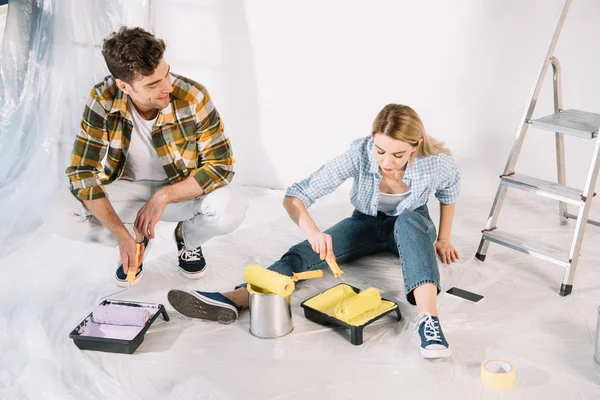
point(356, 305)
point(120, 315)
point(268, 280)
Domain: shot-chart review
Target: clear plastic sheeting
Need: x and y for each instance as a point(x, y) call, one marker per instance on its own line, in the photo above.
point(3, 10)
point(50, 59)
point(46, 290)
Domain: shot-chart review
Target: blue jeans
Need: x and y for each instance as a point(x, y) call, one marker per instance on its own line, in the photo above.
point(410, 235)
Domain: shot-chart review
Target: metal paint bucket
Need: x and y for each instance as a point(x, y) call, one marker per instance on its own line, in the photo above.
point(270, 314)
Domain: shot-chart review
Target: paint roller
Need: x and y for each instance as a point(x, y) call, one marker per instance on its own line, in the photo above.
point(269, 281)
point(358, 304)
point(112, 314)
point(273, 282)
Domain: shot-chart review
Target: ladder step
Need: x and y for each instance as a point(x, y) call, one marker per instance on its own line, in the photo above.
point(544, 188)
point(571, 122)
point(540, 250)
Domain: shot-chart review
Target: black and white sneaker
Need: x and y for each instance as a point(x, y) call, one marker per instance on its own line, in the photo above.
point(209, 306)
point(191, 262)
point(120, 274)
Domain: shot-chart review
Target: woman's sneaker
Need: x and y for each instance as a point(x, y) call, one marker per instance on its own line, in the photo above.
point(191, 262)
point(210, 306)
point(121, 276)
point(433, 342)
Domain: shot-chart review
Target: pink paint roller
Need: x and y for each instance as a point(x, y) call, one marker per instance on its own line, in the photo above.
point(113, 314)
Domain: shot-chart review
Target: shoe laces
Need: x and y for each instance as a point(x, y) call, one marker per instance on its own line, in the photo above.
point(432, 327)
point(190, 255)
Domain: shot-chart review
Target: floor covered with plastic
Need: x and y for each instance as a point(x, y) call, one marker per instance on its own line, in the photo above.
point(50, 284)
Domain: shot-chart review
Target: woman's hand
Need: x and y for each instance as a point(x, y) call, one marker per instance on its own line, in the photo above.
point(446, 251)
point(321, 243)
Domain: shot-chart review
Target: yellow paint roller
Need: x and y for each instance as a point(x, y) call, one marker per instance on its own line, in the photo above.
point(307, 275)
point(356, 305)
point(268, 280)
point(334, 267)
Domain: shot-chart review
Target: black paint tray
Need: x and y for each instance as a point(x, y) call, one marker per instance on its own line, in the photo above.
point(319, 309)
point(113, 338)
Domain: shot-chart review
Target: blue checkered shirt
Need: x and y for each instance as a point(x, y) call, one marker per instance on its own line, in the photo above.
point(436, 174)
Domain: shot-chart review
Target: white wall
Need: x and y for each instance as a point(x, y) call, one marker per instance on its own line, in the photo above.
point(296, 81)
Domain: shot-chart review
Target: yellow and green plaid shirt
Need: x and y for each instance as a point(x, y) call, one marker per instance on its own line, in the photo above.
point(188, 137)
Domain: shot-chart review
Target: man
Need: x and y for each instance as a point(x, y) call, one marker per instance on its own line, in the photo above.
point(152, 147)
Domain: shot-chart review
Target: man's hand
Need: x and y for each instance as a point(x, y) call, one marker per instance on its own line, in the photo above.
point(150, 214)
point(127, 249)
point(446, 251)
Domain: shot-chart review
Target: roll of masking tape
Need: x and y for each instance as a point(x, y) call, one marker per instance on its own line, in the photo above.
point(498, 374)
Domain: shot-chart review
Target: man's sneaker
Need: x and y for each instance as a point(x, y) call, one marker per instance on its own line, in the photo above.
point(433, 342)
point(191, 262)
point(210, 306)
point(121, 276)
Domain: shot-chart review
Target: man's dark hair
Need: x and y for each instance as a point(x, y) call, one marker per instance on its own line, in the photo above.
point(131, 52)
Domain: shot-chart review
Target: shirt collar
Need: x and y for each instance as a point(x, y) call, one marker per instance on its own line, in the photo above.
point(373, 166)
point(408, 174)
point(120, 105)
point(166, 115)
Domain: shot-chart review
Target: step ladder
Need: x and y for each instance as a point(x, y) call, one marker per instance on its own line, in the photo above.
point(584, 125)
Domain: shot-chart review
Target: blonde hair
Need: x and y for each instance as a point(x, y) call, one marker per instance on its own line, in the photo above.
point(401, 122)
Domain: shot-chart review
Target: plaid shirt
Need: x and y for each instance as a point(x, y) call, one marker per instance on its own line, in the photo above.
point(436, 174)
point(188, 137)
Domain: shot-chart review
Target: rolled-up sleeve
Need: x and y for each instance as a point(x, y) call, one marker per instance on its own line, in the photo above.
point(326, 179)
point(448, 187)
point(214, 149)
point(89, 151)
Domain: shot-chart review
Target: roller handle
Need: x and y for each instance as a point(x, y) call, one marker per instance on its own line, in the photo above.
point(307, 275)
point(335, 268)
point(138, 251)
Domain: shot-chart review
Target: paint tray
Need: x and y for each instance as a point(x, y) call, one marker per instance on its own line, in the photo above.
point(320, 308)
point(89, 335)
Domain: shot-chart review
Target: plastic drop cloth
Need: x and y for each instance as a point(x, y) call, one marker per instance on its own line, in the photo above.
point(50, 59)
point(47, 288)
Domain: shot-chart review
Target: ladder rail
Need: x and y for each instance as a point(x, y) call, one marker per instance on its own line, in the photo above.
point(589, 221)
point(582, 219)
point(559, 137)
point(588, 193)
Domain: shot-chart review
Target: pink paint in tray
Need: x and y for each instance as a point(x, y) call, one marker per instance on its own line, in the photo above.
point(116, 326)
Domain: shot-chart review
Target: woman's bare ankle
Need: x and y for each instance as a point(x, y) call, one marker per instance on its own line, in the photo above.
point(239, 296)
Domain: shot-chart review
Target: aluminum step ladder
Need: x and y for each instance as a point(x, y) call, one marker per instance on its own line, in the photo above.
point(581, 124)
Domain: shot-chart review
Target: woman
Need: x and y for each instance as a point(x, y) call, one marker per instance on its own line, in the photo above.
point(395, 171)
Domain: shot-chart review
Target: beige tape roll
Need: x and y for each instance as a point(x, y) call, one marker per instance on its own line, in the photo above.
point(498, 374)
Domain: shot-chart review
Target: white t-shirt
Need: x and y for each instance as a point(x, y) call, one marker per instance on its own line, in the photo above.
point(389, 202)
point(142, 160)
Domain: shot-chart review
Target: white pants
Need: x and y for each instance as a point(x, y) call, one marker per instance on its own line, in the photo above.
point(217, 213)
